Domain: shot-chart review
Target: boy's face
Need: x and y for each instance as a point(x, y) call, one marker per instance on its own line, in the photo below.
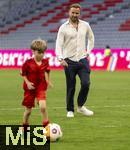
point(38, 55)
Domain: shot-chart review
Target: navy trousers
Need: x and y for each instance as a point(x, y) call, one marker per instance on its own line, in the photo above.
point(82, 69)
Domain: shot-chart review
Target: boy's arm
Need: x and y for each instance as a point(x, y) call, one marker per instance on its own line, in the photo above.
point(30, 85)
point(47, 78)
point(23, 73)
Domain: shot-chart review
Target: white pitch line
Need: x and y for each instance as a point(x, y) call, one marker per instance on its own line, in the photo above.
point(110, 126)
point(105, 106)
point(109, 106)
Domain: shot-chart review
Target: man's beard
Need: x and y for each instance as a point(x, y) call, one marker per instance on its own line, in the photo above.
point(74, 19)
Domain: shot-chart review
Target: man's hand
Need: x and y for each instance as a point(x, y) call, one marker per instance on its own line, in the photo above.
point(63, 63)
point(87, 56)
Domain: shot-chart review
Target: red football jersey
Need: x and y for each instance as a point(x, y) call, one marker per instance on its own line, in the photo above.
point(35, 73)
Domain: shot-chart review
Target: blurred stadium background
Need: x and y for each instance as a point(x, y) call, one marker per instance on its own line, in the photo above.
point(21, 21)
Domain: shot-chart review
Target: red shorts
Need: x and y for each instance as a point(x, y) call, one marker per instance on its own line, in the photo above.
point(30, 95)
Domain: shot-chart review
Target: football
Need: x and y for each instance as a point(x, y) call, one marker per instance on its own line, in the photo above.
point(53, 132)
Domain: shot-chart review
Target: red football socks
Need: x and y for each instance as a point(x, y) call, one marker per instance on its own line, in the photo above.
point(45, 123)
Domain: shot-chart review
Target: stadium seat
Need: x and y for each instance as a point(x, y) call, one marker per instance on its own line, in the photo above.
point(27, 20)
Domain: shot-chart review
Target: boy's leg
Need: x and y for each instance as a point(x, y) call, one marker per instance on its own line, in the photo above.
point(26, 115)
point(42, 106)
point(28, 102)
point(41, 98)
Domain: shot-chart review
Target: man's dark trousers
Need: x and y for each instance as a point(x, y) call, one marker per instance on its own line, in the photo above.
point(82, 69)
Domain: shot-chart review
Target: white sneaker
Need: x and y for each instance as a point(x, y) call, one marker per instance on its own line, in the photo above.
point(85, 111)
point(70, 114)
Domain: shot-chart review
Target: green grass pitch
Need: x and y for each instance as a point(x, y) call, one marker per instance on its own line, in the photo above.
point(109, 98)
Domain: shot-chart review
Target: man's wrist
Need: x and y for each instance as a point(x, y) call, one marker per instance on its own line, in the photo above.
point(87, 55)
point(60, 59)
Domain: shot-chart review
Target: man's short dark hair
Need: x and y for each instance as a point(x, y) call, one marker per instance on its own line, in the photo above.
point(75, 5)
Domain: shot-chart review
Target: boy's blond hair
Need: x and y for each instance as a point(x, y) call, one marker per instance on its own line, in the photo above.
point(39, 45)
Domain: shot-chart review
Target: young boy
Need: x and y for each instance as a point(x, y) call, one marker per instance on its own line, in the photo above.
point(35, 72)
